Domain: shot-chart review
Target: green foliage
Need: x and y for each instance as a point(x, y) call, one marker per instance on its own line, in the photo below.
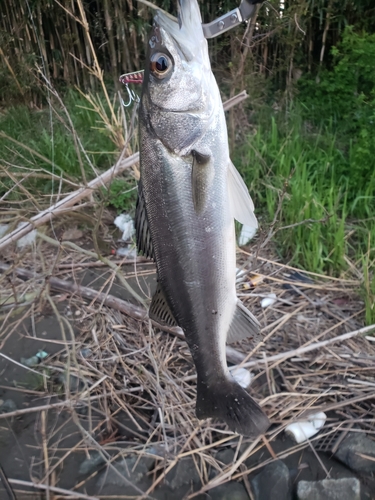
point(344, 99)
point(122, 194)
point(293, 173)
point(46, 142)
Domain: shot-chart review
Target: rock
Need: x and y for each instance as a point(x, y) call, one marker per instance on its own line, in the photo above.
point(229, 491)
point(112, 476)
point(272, 482)
point(183, 473)
point(90, 464)
point(329, 489)
point(351, 449)
point(75, 383)
point(86, 352)
point(72, 234)
point(7, 406)
point(225, 456)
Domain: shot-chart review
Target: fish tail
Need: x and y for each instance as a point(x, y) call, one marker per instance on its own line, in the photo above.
point(223, 398)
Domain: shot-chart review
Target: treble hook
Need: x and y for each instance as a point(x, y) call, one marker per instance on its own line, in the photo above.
point(133, 97)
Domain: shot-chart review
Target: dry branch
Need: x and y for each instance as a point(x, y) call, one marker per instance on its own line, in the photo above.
point(125, 307)
point(69, 201)
point(44, 487)
point(83, 192)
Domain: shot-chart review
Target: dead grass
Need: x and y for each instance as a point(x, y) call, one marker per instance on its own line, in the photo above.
point(135, 373)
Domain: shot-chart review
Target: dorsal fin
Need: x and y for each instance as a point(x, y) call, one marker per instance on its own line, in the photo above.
point(142, 231)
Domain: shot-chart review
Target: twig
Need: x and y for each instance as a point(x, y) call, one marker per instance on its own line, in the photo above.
point(20, 364)
point(5, 482)
point(83, 192)
point(68, 201)
point(131, 310)
point(62, 491)
point(135, 312)
point(317, 345)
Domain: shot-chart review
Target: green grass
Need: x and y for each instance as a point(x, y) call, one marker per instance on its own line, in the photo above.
point(43, 141)
point(299, 173)
point(295, 173)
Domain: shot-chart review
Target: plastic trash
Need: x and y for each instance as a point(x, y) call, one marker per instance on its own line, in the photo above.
point(268, 301)
point(305, 429)
point(247, 234)
point(129, 252)
point(26, 240)
point(126, 224)
point(243, 377)
point(34, 360)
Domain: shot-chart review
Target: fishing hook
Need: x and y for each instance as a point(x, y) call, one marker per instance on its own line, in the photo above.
point(133, 97)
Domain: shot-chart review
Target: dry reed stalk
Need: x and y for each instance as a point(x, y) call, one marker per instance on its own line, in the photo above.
point(69, 201)
point(142, 382)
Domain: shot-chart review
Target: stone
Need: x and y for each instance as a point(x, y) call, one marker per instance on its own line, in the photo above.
point(225, 456)
point(329, 489)
point(183, 473)
point(90, 464)
point(125, 467)
point(351, 449)
point(8, 406)
point(229, 491)
point(272, 482)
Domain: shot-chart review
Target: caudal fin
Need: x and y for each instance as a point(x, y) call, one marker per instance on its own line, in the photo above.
point(228, 401)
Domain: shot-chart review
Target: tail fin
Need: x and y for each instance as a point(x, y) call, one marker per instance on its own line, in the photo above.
point(228, 401)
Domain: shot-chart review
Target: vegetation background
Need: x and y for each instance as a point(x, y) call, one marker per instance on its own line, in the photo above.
point(304, 140)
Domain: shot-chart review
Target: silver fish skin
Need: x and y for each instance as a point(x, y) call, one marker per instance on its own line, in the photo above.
point(185, 212)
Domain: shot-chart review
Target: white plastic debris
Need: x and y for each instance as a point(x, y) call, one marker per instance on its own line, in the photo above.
point(129, 252)
point(242, 377)
point(301, 431)
point(268, 301)
point(26, 240)
point(247, 234)
point(3, 229)
point(126, 224)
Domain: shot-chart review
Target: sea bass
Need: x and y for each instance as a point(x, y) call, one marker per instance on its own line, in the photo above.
point(188, 196)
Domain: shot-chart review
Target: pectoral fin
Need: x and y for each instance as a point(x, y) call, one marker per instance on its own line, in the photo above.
point(159, 309)
point(241, 204)
point(244, 325)
point(202, 175)
point(142, 231)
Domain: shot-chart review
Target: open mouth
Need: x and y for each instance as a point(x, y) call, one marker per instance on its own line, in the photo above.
point(135, 77)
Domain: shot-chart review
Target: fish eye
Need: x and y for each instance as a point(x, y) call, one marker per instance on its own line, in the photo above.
point(160, 65)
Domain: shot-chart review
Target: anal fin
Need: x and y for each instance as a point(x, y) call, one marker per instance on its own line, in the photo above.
point(244, 325)
point(159, 309)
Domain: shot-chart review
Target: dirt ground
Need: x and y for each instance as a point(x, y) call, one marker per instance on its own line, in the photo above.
point(112, 387)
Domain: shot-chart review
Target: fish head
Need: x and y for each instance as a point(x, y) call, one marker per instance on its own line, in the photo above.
point(178, 82)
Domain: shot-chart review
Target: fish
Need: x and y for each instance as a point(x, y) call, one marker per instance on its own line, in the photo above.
point(189, 194)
